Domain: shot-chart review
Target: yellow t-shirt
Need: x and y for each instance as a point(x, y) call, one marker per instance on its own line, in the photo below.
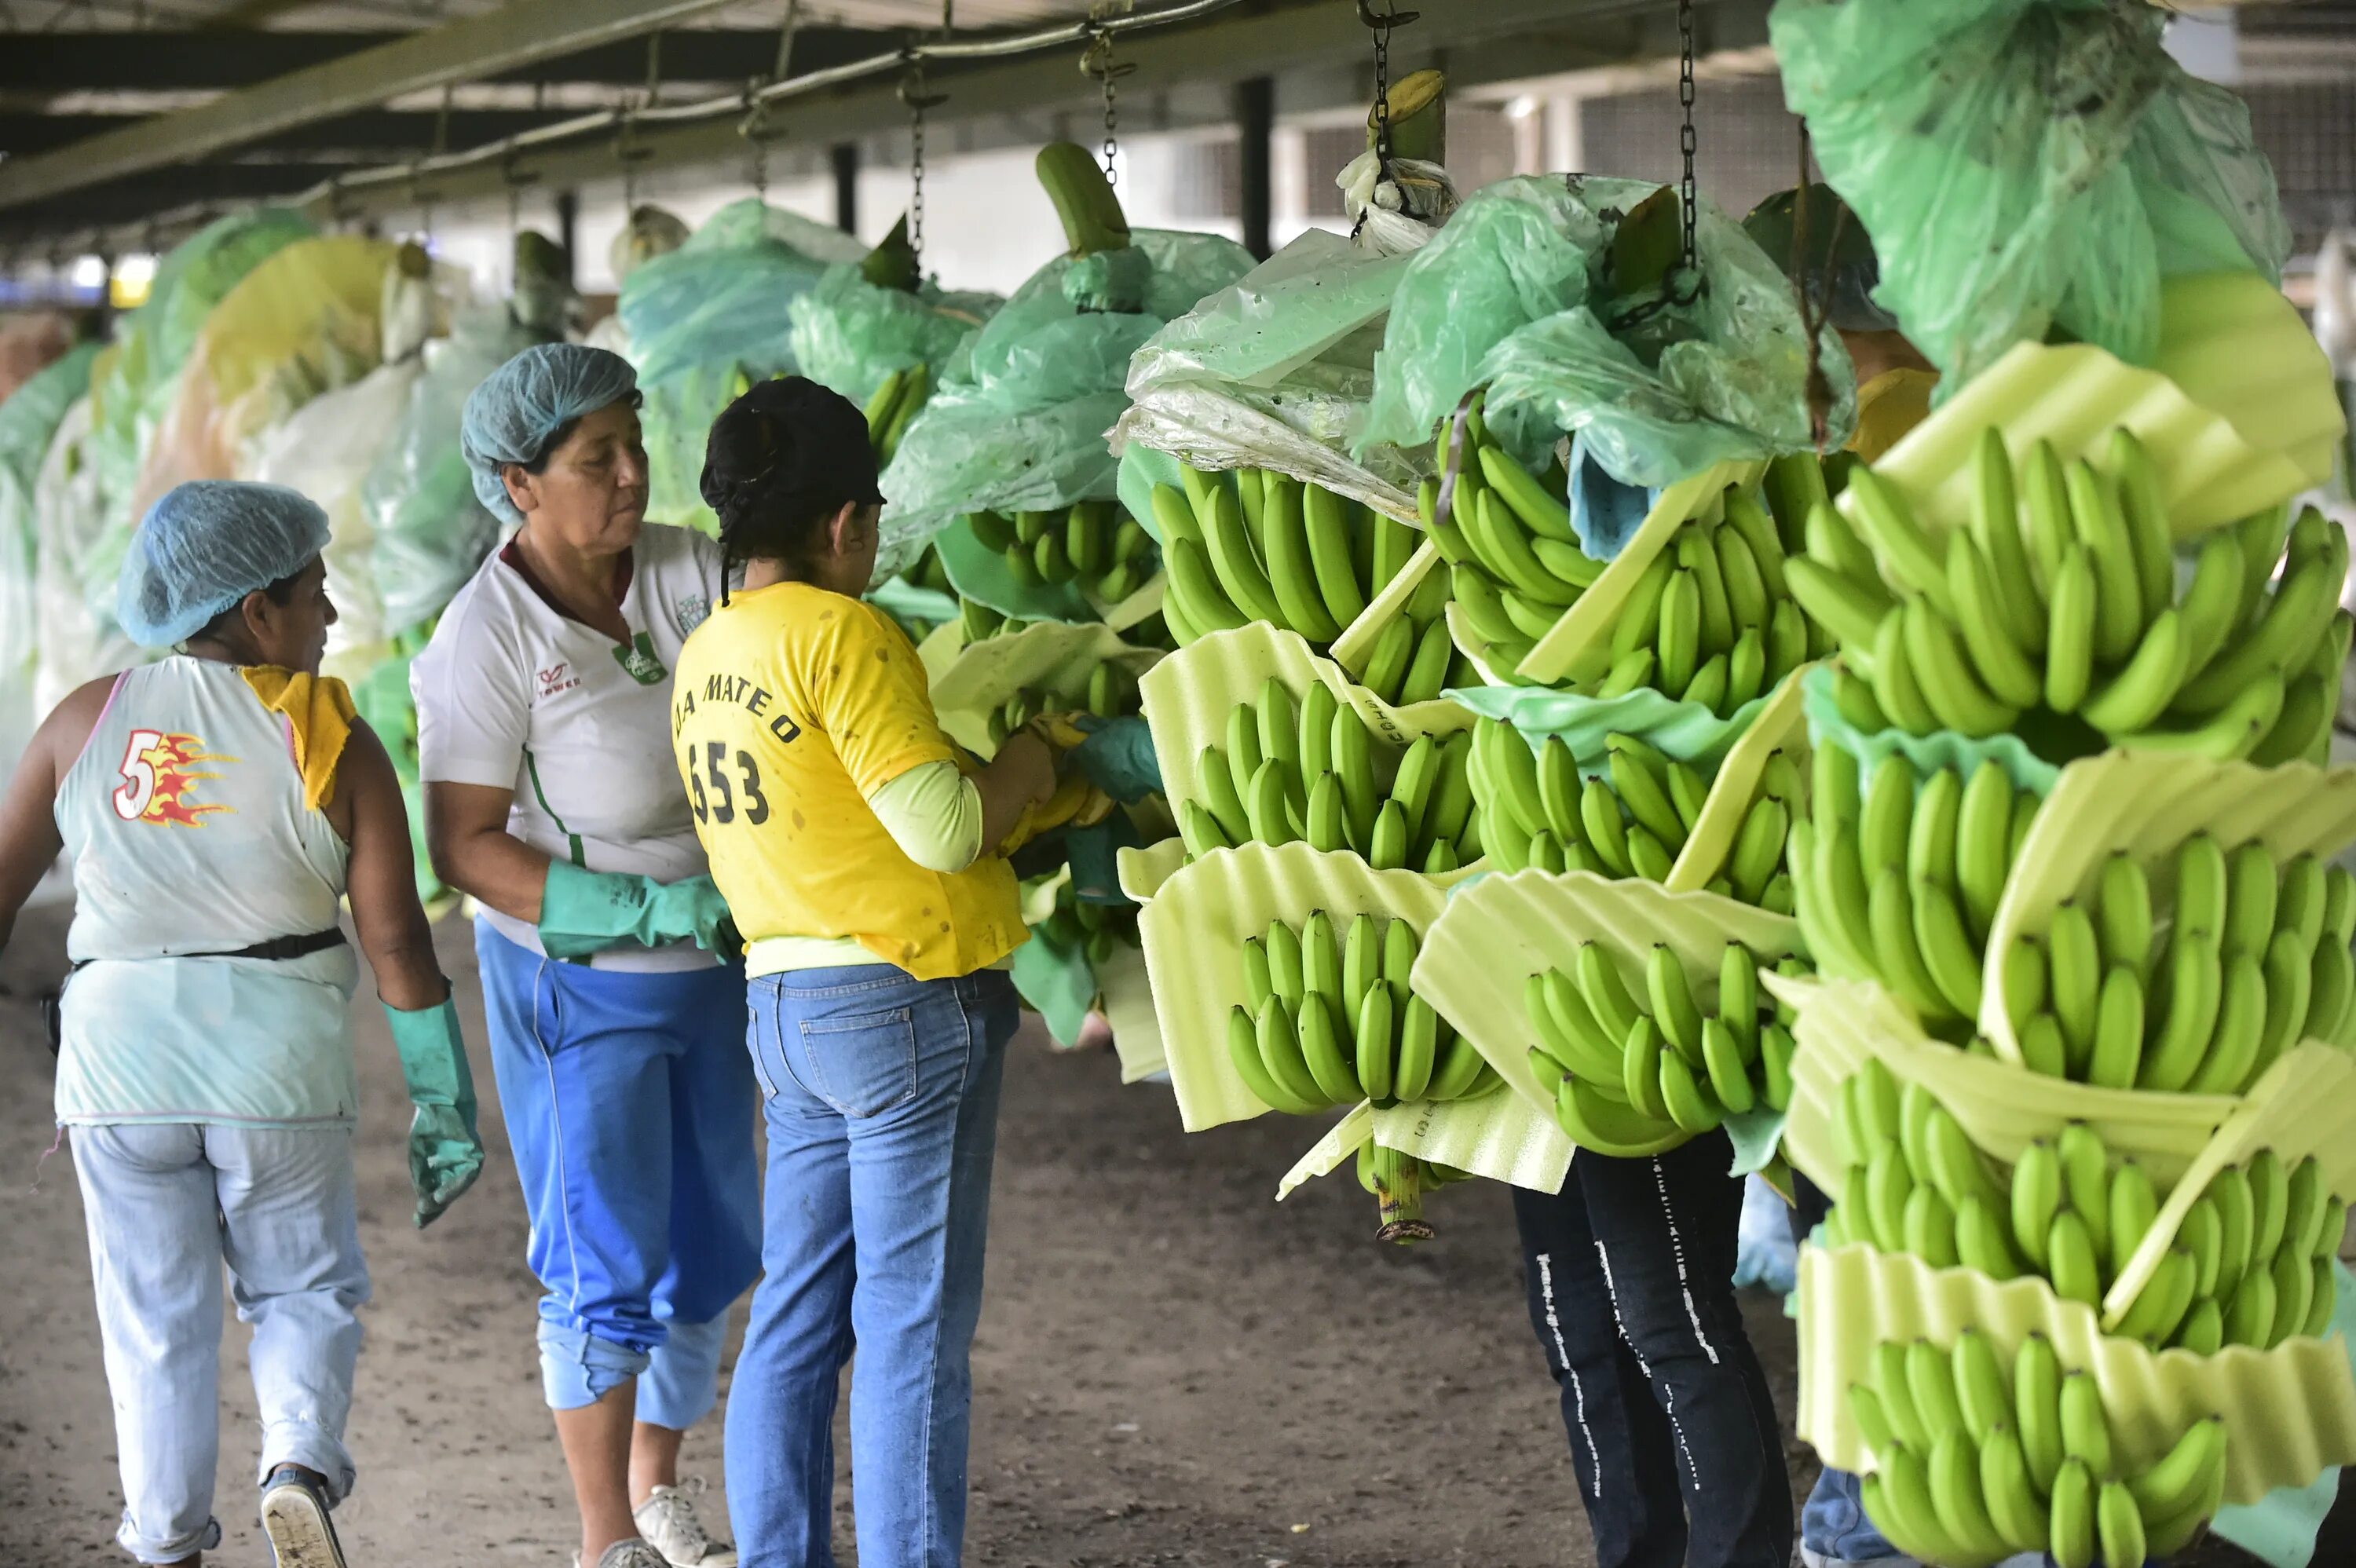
point(792, 705)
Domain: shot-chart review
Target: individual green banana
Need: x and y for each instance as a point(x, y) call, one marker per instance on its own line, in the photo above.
point(1354, 762)
point(2231, 1192)
point(1982, 1390)
point(1759, 848)
point(1689, 1105)
point(1988, 632)
point(1931, 1379)
point(2073, 1543)
point(2122, 911)
point(1538, 511)
point(1955, 1469)
point(1943, 671)
point(2240, 1030)
point(2117, 1056)
point(1377, 1047)
point(1888, 523)
point(1502, 546)
point(1217, 794)
point(1287, 970)
point(1886, 823)
point(1607, 996)
point(2250, 1317)
point(2269, 1204)
point(1568, 1029)
point(2133, 1206)
point(2233, 732)
point(2042, 1049)
point(1320, 1047)
point(1326, 519)
point(1897, 1399)
point(1776, 1048)
point(2118, 1525)
point(1996, 528)
point(2119, 616)
point(2139, 692)
point(1931, 842)
point(1850, 607)
point(2189, 1018)
point(1673, 1006)
point(1948, 952)
point(1638, 624)
point(1361, 958)
point(2303, 1208)
point(1641, 789)
point(1983, 844)
point(1598, 814)
point(2202, 1332)
point(1258, 985)
point(2211, 604)
point(1679, 643)
point(1728, 1075)
point(1641, 1057)
point(1897, 1495)
point(1387, 660)
point(1737, 996)
point(2086, 1180)
point(2070, 631)
point(1243, 1052)
point(2295, 616)
point(2181, 1475)
point(2014, 1507)
point(1896, 684)
point(2035, 1200)
point(2037, 1408)
point(1427, 669)
point(2074, 974)
point(2202, 1235)
point(1889, 1188)
point(2070, 1260)
point(2085, 1430)
point(1279, 1039)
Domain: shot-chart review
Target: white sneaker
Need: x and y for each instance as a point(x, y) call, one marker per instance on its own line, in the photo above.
point(667, 1521)
point(625, 1554)
point(294, 1519)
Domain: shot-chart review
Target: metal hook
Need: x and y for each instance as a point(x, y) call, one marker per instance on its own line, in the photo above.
point(1394, 19)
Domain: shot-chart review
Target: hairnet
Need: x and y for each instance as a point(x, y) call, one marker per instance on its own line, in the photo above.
point(514, 415)
point(206, 545)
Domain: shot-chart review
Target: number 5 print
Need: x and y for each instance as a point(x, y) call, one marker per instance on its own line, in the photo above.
point(138, 786)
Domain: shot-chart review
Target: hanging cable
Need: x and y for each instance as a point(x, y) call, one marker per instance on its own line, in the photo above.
point(1098, 61)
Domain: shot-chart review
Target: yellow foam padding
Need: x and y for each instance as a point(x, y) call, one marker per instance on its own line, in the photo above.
point(1189, 695)
point(2239, 412)
point(1500, 1136)
point(2004, 1108)
point(1581, 642)
point(1126, 998)
point(1357, 638)
point(1498, 931)
point(1195, 932)
point(2147, 804)
point(2289, 1412)
point(1780, 725)
point(1143, 870)
point(1054, 655)
point(1339, 1145)
point(1469, 643)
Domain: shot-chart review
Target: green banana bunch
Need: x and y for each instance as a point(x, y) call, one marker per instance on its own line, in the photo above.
point(1329, 1020)
point(1898, 875)
point(2061, 595)
point(1974, 1461)
point(1257, 545)
point(1639, 1071)
point(1632, 818)
point(1098, 930)
point(896, 402)
point(1306, 769)
point(1094, 543)
point(2199, 997)
point(2250, 1264)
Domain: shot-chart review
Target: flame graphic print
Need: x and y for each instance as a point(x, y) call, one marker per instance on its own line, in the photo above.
point(160, 772)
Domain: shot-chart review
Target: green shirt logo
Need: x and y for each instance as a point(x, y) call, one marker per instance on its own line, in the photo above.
point(639, 659)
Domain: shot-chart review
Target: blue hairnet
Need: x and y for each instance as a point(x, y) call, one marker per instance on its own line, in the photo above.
point(206, 545)
point(520, 406)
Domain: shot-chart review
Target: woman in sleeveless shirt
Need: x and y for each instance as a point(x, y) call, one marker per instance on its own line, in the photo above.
point(217, 806)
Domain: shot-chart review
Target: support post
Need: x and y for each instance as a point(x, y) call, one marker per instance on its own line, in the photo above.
point(1255, 126)
point(844, 156)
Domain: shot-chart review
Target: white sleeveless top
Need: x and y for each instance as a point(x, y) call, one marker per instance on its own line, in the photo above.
point(185, 819)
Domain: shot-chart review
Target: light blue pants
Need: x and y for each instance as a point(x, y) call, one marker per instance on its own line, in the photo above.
point(629, 1104)
point(169, 1203)
point(882, 1109)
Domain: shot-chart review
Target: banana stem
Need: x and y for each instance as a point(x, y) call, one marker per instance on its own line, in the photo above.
point(1092, 215)
point(1399, 1198)
point(1419, 106)
point(893, 263)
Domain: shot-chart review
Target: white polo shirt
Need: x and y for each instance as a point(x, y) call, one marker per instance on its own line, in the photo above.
point(514, 694)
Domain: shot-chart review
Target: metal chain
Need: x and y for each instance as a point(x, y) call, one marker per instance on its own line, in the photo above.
point(912, 94)
point(1687, 192)
point(1098, 63)
point(1382, 92)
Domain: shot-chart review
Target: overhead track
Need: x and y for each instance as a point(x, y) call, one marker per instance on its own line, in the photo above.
point(516, 34)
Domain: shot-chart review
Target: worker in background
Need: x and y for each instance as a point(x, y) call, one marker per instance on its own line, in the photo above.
point(615, 1008)
point(862, 859)
point(1894, 383)
point(217, 806)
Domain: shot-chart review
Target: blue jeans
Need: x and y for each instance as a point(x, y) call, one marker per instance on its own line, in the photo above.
point(630, 1105)
point(883, 1110)
point(1673, 1433)
point(168, 1204)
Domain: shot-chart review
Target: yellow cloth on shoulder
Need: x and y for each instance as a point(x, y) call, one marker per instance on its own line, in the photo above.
point(319, 712)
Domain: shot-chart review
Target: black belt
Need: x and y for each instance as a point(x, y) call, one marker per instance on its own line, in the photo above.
point(278, 949)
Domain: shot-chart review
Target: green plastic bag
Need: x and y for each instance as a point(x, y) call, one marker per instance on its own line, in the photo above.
point(1023, 427)
point(849, 334)
point(1515, 294)
point(1276, 371)
point(2027, 167)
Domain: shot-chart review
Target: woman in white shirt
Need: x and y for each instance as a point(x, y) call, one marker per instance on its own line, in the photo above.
point(616, 1034)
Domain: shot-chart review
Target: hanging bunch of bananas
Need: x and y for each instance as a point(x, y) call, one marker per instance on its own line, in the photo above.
point(1900, 875)
point(1306, 771)
point(979, 620)
point(2061, 597)
point(896, 402)
point(1330, 1021)
point(1096, 929)
point(2249, 961)
point(1635, 1073)
point(1093, 544)
point(1257, 545)
point(2251, 1263)
point(1974, 1460)
point(1630, 819)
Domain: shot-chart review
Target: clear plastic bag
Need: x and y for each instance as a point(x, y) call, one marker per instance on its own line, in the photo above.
point(79, 559)
point(1514, 295)
point(707, 320)
point(1022, 428)
point(418, 501)
point(849, 334)
point(28, 426)
point(1276, 371)
point(2027, 167)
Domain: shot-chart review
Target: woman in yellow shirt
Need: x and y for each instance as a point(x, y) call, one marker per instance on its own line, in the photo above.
point(856, 851)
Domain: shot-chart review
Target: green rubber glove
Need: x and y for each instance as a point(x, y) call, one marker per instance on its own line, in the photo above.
point(583, 912)
point(444, 1153)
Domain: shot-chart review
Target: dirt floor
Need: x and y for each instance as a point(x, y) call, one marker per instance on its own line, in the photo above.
point(1172, 1369)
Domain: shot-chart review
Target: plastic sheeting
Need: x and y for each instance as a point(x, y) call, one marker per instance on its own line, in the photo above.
point(707, 320)
point(305, 321)
point(75, 569)
point(1022, 428)
point(1515, 294)
point(849, 334)
point(28, 426)
point(2027, 167)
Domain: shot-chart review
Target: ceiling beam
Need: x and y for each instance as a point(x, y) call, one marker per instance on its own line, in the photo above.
point(53, 63)
point(124, 203)
point(518, 33)
point(379, 132)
